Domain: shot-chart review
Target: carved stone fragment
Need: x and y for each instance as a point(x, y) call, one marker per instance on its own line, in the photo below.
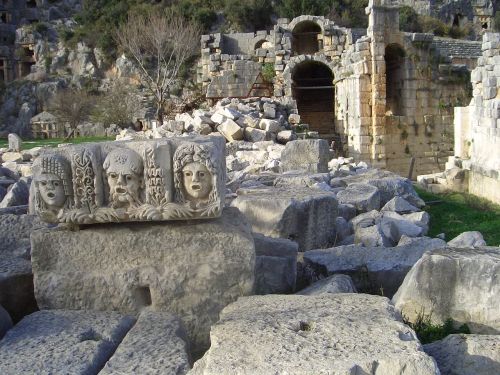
point(165, 179)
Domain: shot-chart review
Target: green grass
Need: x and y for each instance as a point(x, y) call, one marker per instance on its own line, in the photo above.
point(53, 142)
point(459, 212)
point(428, 332)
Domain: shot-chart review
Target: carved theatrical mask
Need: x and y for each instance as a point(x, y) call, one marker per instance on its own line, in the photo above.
point(197, 180)
point(125, 177)
point(194, 174)
point(51, 190)
point(52, 177)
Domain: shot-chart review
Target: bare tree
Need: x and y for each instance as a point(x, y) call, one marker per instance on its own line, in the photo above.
point(73, 107)
point(158, 45)
point(118, 105)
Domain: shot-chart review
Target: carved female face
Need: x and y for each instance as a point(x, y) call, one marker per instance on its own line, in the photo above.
point(51, 190)
point(197, 180)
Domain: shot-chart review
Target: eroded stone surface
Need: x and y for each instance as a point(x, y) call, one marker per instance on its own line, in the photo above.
point(332, 284)
point(461, 284)
point(309, 155)
point(5, 322)
point(466, 354)
point(16, 279)
point(326, 334)
point(364, 197)
point(165, 179)
point(62, 342)
point(192, 269)
point(157, 344)
point(373, 269)
point(304, 215)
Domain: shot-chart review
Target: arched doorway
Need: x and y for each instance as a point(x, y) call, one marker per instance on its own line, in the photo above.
point(305, 38)
point(312, 88)
point(394, 70)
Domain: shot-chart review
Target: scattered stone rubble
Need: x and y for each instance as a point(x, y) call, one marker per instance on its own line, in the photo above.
point(330, 230)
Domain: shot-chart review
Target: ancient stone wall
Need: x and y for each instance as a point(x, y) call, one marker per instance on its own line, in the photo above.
point(383, 97)
point(477, 127)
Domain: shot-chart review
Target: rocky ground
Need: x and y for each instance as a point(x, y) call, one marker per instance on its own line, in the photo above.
point(337, 253)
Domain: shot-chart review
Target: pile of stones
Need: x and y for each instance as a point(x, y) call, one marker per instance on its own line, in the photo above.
point(252, 120)
point(15, 175)
point(308, 268)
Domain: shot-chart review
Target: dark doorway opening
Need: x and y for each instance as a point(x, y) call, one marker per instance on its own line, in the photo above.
point(394, 69)
point(312, 88)
point(305, 38)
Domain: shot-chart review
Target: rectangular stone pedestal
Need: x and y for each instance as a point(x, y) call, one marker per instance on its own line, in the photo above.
point(192, 269)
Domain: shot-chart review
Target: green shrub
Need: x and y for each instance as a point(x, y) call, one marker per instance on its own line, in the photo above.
point(268, 72)
point(428, 332)
point(496, 21)
point(409, 20)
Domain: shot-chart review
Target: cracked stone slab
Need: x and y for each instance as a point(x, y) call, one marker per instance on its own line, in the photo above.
point(62, 342)
point(157, 344)
point(324, 334)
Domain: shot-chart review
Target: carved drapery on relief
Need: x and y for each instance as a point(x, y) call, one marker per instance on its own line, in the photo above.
point(141, 181)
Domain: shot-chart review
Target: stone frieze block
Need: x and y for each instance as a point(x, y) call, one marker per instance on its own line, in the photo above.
point(164, 179)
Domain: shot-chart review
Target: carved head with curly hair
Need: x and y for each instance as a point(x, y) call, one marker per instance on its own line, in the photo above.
point(194, 174)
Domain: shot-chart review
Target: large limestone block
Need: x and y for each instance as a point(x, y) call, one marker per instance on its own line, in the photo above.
point(304, 215)
point(62, 342)
point(326, 334)
point(362, 196)
point(15, 142)
point(17, 195)
point(230, 130)
point(156, 345)
point(466, 354)
point(468, 239)
point(16, 278)
point(333, 284)
point(5, 322)
point(461, 284)
point(275, 264)
point(309, 155)
point(162, 179)
point(389, 184)
point(192, 269)
point(373, 269)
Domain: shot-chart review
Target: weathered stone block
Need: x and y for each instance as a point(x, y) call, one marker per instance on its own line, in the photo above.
point(362, 196)
point(329, 333)
point(461, 284)
point(230, 130)
point(165, 179)
point(15, 142)
point(276, 265)
point(157, 344)
point(304, 215)
point(466, 354)
point(192, 269)
point(5, 322)
point(310, 155)
point(62, 342)
point(16, 278)
point(372, 268)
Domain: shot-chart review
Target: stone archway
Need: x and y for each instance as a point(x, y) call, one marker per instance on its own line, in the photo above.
point(312, 88)
point(305, 38)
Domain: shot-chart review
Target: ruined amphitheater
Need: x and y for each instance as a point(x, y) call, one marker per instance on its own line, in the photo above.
point(274, 230)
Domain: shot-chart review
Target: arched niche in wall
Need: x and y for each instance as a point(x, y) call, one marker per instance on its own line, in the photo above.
point(394, 70)
point(305, 38)
point(312, 88)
